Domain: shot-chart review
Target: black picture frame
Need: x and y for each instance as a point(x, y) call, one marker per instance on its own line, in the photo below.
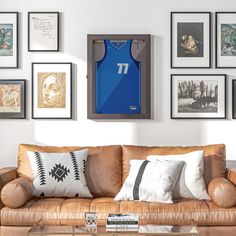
point(234, 99)
point(223, 102)
point(57, 47)
point(11, 97)
point(217, 40)
point(145, 54)
point(69, 85)
point(16, 40)
point(209, 61)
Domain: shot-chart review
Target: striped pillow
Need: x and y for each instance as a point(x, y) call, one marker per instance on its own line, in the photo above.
point(150, 181)
point(59, 174)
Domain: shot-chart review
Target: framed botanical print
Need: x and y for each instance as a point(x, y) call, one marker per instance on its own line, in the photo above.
point(198, 96)
point(190, 40)
point(12, 99)
point(118, 76)
point(52, 90)
point(43, 31)
point(8, 40)
point(225, 39)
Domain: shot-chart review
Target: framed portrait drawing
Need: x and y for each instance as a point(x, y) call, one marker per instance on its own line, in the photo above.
point(43, 31)
point(12, 99)
point(190, 40)
point(52, 90)
point(225, 39)
point(198, 96)
point(8, 40)
point(118, 76)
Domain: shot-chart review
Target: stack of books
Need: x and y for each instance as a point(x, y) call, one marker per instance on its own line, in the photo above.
point(122, 222)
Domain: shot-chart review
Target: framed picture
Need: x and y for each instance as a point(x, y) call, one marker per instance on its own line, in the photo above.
point(225, 39)
point(8, 40)
point(190, 40)
point(43, 31)
point(119, 76)
point(52, 90)
point(234, 99)
point(12, 99)
point(198, 96)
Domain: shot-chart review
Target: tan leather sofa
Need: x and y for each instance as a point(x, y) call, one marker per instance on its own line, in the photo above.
point(107, 168)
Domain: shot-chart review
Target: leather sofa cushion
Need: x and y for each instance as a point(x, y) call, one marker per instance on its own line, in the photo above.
point(103, 170)
point(214, 157)
point(181, 212)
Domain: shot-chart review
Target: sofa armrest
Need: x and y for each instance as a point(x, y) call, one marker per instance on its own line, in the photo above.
point(17, 192)
point(231, 175)
point(222, 192)
point(7, 174)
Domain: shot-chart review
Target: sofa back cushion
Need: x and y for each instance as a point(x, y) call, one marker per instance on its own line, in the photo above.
point(214, 157)
point(103, 169)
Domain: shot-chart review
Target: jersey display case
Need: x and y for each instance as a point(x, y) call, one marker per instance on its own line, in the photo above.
point(119, 76)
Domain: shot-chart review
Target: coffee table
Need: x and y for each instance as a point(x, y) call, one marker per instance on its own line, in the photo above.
point(73, 227)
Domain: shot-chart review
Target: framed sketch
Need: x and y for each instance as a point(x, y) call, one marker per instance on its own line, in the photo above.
point(43, 31)
point(12, 99)
point(52, 90)
point(225, 39)
point(8, 40)
point(198, 96)
point(234, 99)
point(190, 40)
point(119, 76)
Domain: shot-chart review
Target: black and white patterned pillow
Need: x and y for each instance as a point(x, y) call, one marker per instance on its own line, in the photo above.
point(59, 174)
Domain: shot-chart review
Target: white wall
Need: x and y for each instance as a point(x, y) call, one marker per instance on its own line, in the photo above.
point(80, 17)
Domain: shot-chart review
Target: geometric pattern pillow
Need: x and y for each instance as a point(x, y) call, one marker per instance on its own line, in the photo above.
point(59, 174)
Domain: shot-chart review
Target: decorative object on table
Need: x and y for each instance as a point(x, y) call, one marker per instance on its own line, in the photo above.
point(90, 219)
point(119, 76)
point(12, 99)
point(200, 96)
point(59, 174)
point(190, 39)
point(225, 39)
point(139, 184)
point(43, 31)
point(8, 40)
point(52, 90)
point(122, 222)
point(234, 99)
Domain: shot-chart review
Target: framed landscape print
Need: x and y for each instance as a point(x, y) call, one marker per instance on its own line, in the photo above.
point(190, 40)
point(198, 96)
point(12, 99)
point(225, 39)
point(119, 76)
point(52, 90)
point(43, 31)
point(8, 40)
point(234, 99)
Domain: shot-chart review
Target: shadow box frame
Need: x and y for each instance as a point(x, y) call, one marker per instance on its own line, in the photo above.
point(145, 71)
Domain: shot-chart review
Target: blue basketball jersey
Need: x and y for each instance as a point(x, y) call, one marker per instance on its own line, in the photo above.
point(118, 85)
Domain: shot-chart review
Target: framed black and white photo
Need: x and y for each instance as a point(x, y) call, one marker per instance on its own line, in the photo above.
point(51, 90)
point(234, 99)
point(201, 96)
point(43, 31)
point(8, 40)
point(225, 39)
point(190, 40)
point(12, 99)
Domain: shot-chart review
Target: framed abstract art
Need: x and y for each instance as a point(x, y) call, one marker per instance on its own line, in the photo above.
point(119, 76)
point(51, 90)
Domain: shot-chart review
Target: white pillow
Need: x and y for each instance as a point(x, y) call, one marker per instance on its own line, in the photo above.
point(190, 183)
point(59, 174)
point(150, 181)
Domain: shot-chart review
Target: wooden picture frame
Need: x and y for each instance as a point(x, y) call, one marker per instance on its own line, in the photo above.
point(51, 90)
point(118, 76)
point(43, 31)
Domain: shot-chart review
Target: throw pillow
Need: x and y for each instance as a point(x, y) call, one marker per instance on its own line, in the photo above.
point(190, 183)
point(59, 174)
point(150, 181)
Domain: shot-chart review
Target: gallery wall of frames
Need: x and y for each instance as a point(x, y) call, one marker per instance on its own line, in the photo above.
point(119, 69)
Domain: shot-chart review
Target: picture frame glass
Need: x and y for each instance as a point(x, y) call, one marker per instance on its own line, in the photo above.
point(51, 90)
point(198, 96)
point(190, 40)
